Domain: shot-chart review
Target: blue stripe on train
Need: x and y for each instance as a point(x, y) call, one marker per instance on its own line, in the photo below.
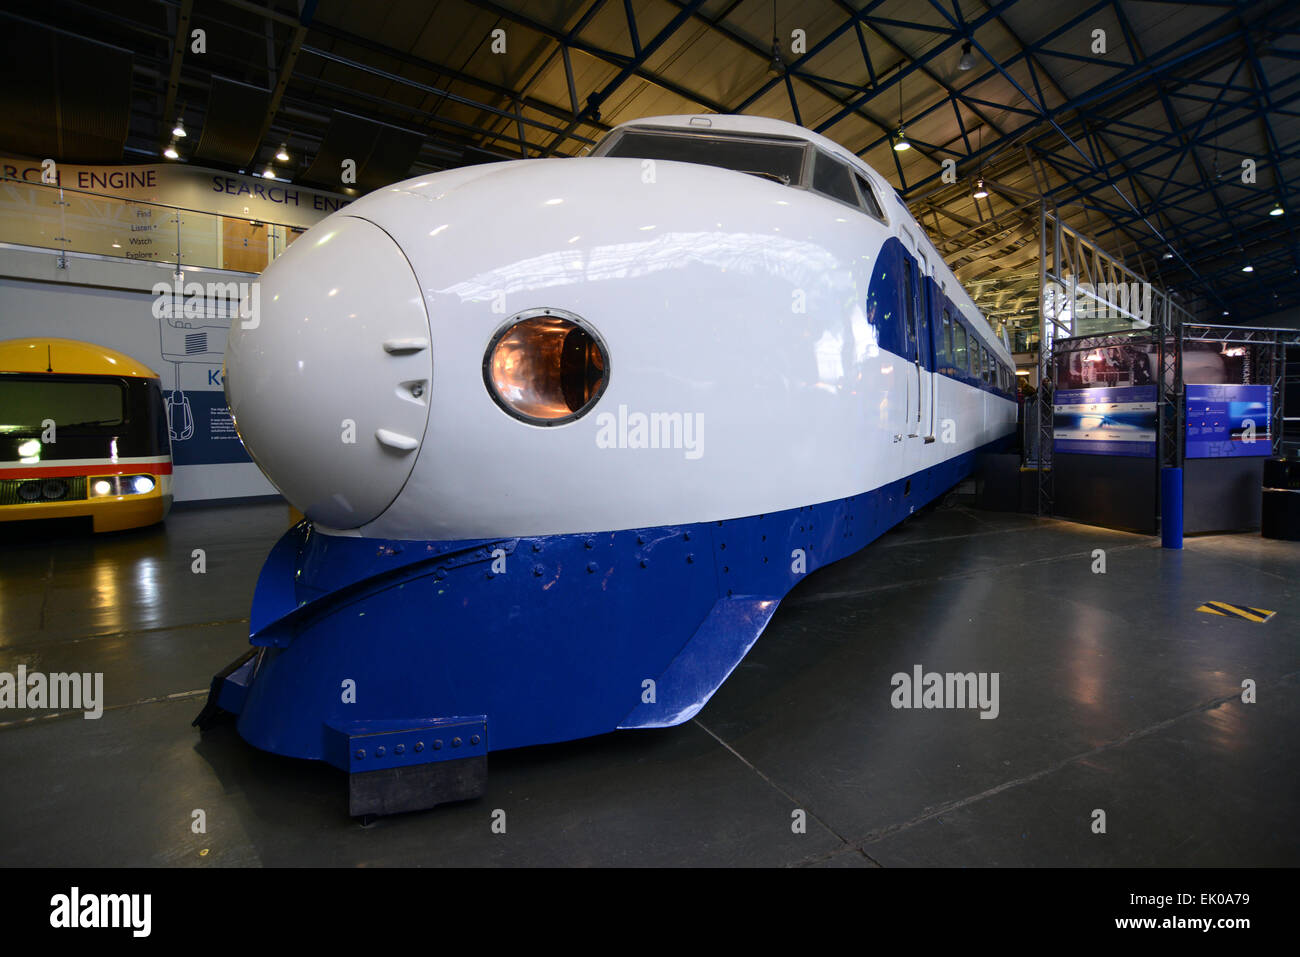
point(551, 638)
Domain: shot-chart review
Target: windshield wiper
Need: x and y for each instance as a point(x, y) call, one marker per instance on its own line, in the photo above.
point(783, 180)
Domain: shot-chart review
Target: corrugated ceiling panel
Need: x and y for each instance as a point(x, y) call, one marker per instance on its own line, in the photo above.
point(231, 123)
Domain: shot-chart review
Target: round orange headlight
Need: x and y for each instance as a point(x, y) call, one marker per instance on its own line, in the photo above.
point(546, 367)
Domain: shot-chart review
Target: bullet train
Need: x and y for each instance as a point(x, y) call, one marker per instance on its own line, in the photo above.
point(566, 431)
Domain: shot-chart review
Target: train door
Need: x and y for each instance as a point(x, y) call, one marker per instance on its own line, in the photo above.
point(925, 349)
point(911, 321)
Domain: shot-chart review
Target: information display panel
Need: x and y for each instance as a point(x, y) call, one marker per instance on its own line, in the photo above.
point(1228, 421)
point(1106, 421)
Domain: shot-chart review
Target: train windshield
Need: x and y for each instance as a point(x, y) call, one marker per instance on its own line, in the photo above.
point(774, 159)
point(73, 403)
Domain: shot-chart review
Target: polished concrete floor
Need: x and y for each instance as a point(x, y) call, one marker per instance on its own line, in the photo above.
point(1115, 694)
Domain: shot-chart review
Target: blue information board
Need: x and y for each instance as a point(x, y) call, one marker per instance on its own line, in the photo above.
point(1226, 421)
point(1107, 421)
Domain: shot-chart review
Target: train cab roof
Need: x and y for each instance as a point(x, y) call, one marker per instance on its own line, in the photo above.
point(734, 123)
point(68, 357)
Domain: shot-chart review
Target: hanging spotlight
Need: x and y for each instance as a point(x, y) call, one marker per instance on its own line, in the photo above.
point(777, 65)
point(1247, 268)
point(268, 173)
point(178, 130)
point(901, 143)
point(282, 154)
point(1276, 210)
point(980, 191)
point(1167, 256)
point(170, 151)
point(967, 62)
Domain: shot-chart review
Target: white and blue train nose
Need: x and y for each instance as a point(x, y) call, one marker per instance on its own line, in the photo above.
point(566, 558)
point(329, 383)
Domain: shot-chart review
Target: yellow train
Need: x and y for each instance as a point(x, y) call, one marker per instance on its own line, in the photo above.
point(83, 434)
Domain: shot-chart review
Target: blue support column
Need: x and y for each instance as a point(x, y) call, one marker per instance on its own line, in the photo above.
point(1171, 508)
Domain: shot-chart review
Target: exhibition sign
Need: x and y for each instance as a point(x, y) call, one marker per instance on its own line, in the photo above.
point(1106, 421)
point(159, 213)
point(1227, 421)
point(189, 188)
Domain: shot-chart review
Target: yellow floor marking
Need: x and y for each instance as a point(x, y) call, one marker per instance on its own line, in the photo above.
point(1240, 611)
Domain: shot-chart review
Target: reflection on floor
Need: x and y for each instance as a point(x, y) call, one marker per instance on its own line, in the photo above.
point(1115, 694)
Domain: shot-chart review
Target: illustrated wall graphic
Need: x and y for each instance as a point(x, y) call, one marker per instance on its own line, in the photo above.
point(193, 334)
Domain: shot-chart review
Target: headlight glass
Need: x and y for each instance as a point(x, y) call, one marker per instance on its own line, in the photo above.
point(108, 486)
point(546, 367)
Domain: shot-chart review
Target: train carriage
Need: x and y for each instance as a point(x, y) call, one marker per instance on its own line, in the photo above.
point(83, 435)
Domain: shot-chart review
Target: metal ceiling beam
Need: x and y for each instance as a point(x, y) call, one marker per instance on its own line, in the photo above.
point(439, 69)
point(287, 64)
point(629, 69)
point(547, 58)
point(607, 56)
point(413, 84)
point(1261, 79)
point(179, 44)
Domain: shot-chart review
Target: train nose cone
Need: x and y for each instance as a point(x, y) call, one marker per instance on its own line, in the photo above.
point(329, 383)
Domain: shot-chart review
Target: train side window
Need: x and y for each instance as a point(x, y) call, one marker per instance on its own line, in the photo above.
point(909, 299)
point(869, 201)
point(952, 346)
point(959, 347)
point(832, 178)
point(926, 337)
point(984, 364)
point(974, 354)
point(945, 342)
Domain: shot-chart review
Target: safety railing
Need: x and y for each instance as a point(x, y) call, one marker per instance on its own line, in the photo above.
point(70, 220)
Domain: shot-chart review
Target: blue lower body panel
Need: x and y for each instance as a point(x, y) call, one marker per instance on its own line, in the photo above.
point(367, 648)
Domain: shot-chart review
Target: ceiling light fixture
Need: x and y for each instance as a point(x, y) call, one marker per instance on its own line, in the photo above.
point(901, 143)
point(282, 154)
point(980, 191)
point(178, 130)
point(170, 152)
point(268, 173)
point(967, 62)
point(1276, 210)
point(1247, 268)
